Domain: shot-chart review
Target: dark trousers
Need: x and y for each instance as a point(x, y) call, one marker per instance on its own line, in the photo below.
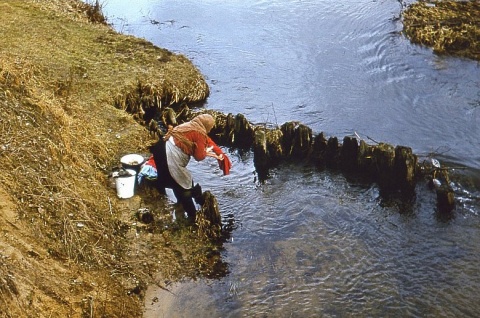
point(165, 180)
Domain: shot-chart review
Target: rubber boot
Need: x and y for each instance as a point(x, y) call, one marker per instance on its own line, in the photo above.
point(185, 198)
point(197, 194)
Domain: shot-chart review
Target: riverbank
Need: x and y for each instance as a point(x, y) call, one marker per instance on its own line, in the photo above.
point(448, 27)
point(69, 247)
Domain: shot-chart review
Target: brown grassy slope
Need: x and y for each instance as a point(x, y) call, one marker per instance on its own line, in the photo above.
point(449, 27)
point(62, 251)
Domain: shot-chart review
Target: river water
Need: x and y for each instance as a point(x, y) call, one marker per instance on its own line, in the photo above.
point(313, 243)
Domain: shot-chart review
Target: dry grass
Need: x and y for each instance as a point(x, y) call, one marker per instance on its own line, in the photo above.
point(60, 134)
point(449, 27)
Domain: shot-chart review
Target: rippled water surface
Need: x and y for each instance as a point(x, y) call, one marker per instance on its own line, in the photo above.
point(310, 243)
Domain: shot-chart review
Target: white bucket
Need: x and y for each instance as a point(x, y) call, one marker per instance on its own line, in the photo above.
point(132, 161)
point(125, 184)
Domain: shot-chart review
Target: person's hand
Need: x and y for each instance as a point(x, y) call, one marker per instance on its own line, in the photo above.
point(214, 155)
point(211, 153)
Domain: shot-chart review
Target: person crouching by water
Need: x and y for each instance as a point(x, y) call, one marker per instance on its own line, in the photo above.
point(172, 154)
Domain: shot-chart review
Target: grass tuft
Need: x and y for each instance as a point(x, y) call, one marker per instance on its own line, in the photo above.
point(449, 27)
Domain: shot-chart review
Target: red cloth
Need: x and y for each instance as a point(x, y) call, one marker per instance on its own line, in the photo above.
point(199, 149)
point(224, 164)
point(151, 162)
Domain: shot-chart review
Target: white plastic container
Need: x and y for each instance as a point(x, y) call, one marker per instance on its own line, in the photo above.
point(125, 184)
